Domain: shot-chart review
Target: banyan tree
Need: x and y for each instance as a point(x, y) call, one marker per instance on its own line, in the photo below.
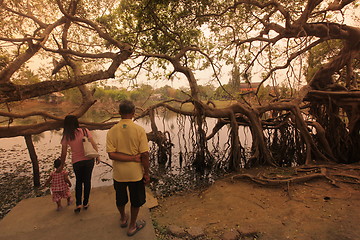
point(311, 47)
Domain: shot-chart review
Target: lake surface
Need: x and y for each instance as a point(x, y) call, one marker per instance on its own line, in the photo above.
point(14, 154)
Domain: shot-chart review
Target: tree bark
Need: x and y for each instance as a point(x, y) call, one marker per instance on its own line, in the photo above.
point(34, 160)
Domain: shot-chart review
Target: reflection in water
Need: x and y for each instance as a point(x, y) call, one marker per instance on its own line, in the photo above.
point(38, 137)
point(47, 145)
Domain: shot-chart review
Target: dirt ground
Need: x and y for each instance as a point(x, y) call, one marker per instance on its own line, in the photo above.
point(311, 210)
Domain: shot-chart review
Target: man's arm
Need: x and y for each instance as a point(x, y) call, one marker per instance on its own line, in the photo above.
point(146, 165)
point(122, 157)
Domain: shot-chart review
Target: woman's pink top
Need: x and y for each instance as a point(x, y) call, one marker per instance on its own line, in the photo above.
point(58, 183)
point(76, 145)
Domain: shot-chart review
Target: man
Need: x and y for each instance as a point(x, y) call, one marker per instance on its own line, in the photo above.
point(125, 142)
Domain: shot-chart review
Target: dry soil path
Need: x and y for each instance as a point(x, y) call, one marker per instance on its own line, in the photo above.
point(36, 218)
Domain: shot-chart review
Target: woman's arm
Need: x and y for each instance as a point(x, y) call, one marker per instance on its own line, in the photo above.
point(122, 157)
point(48, 181)
point(96, 148)
point(93, 143)
point(63, 154)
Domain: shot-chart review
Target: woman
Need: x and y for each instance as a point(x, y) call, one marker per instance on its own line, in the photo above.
point(83, 166)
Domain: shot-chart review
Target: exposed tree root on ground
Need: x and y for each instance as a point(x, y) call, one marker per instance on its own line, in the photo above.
point(334, 173)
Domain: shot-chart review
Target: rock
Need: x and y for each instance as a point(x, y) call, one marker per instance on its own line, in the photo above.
point(176, 231)
point(247, 230)
point(248, 233)
point(195, 232)
point(230, 235)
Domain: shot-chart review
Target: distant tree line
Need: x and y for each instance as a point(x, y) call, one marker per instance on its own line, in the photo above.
point(146, 93)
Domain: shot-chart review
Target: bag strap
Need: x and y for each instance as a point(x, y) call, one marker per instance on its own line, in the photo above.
point(84, 132)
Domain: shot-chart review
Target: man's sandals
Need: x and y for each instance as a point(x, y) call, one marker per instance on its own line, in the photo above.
point(124, 224)
point(139, 225)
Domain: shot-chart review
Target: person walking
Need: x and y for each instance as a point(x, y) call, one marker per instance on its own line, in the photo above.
point(83, 166)
point(59, 184)
point(128, 138)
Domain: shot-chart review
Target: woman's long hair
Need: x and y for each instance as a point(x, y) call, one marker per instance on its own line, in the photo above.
point(71, 124)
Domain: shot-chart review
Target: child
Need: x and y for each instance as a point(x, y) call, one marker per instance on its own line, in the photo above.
point(60, 184)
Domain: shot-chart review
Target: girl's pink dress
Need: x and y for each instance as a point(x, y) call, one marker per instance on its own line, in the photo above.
point(59, 188)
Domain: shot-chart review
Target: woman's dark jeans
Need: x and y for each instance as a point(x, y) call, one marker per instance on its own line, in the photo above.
point(83, 171)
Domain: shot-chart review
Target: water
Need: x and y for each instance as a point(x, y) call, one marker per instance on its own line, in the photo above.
point(14, 154)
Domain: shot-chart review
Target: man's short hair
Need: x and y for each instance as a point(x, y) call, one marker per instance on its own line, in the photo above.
point(126, 107)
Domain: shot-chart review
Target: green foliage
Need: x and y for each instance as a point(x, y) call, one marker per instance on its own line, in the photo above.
point(222, 93)
point(264, 93)
point(141, 93)
point(136, 95)
point(110, 94)
point(238, 76)
point(104, 95)
point(4, 60)
point(26, 76)
point(207, 92)
point(166, 92)
point(283, 91)
point(73, 95)
point(319, 55)
point(154, 26)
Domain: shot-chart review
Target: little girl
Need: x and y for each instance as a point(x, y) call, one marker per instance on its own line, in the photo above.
point(60, 184)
